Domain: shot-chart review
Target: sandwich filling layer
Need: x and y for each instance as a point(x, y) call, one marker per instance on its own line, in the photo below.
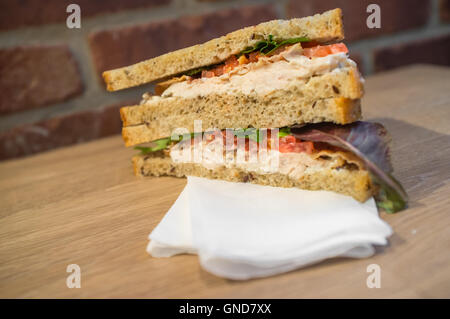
point(289, 156)
point(293, 65)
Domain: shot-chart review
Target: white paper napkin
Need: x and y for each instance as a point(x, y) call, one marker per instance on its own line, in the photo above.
point(241, 230)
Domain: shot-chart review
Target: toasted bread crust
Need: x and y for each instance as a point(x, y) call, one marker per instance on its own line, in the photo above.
point(323, 28)
point(355, 183)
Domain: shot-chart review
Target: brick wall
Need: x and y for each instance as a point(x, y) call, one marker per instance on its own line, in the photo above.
point(51, 94)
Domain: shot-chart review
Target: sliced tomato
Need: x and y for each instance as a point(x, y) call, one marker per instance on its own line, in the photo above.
point(288, 139)
point(289, 144)
point(232, 61)
point(308, 147)
point(229, 65)
point(218, 71)
point(207, 74)
point(338, 48)
point(324, 50)
point(254, 56)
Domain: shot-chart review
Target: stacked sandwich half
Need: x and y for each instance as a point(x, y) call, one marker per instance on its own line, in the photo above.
point(286, 86)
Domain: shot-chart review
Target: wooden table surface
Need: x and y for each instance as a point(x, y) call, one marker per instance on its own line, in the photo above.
point(82, 205)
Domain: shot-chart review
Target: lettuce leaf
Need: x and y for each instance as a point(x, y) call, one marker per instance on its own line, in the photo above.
point(249, 133)
point(270, 45)
point(254, 134)
point(159, 145)
point(284, 131)
point(195, 71)
point(370, 142)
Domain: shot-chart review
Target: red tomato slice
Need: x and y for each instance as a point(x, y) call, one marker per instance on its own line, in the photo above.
point(289, 144)
point(254, 56)
point(207, 74)
point(232, 61)
point(324, 50)
point(338, 48)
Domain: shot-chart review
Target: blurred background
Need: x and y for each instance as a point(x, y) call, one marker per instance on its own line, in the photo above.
point(51, 92)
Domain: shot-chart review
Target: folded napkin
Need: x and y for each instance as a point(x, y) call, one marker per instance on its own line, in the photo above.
point(241, 230)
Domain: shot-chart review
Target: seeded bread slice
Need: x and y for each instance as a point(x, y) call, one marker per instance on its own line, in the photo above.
point(250, 114)
point(332, 97)
point(322, 28)
point(352, 182)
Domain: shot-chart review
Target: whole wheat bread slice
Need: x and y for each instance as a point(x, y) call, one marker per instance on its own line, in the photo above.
point(337, 110)
point(322, 28)
point(352, 182)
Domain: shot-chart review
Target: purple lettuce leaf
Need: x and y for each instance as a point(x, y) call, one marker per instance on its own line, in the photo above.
point(370, 142)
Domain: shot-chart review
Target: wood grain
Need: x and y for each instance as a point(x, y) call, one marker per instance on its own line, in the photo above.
point(82, 205)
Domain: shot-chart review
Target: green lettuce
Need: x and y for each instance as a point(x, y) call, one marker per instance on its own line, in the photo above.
point(159, 145)
point(270, 45)
point(196, 71)
point(254, 134)
point(284, 131)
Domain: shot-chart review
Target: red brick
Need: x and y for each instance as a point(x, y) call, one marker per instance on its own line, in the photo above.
point(61, 131)
point(33, 77)
point(434, 51)
point(444, 11)
point(396, 15)
point(20, 13)
point(120, 47)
